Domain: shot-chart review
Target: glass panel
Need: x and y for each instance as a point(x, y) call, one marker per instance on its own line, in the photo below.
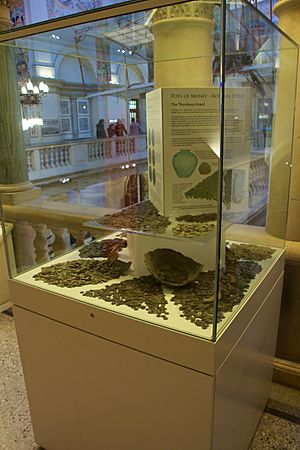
point(38, 11)
point(121, 130)
point(260, 80)
point(128, 144)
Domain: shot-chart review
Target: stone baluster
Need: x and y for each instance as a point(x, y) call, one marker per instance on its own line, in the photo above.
point(101, 144)
point(41, 242)
point(47, 158)
point(114, 148)
point(107, 149)
point(56, 156)
point(52, 157)
point(78, 235)
point(63, 156)
point(62, 241)
point(41, 157)
point(67, 154)
point(29, 155)
point(23, 241)
point(117, 149)
point(36, 160)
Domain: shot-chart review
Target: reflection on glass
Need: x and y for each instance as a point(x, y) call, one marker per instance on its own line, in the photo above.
point(257, 152)
point(141, 214)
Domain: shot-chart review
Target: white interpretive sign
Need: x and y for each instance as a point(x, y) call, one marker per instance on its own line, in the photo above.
point(183, 138)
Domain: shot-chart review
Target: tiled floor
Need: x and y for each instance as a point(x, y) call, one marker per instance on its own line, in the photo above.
point(15, 425)
point(279, 427)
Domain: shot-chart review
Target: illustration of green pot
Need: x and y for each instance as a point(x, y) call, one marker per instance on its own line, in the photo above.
point(184, 163)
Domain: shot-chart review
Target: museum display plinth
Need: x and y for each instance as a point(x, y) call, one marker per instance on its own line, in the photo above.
point(5, 302)
point(102, 380)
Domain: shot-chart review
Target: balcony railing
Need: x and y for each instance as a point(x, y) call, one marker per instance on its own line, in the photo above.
point(62, 159)
point(42, 228)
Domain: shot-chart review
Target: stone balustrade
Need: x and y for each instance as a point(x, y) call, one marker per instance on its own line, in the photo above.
point(71, 157)
point(43, 228)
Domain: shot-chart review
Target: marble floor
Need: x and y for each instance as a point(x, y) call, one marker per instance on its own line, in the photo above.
point(279, 427)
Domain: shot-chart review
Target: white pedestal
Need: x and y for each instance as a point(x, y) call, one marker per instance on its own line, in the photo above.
point(201, 250)
point(106, 381)
point(4, 291)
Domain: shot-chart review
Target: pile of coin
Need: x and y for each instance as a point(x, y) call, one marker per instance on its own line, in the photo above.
point(81, 271)
point(142, 293)
point(190, 230)
point(196, 300)
point(102, 248)
point(140, 217)
point(250, 252)
point(207, 188)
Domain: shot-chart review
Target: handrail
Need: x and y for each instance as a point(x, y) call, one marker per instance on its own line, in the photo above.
point(36, 213)
point(84, 141)
point(60, 159)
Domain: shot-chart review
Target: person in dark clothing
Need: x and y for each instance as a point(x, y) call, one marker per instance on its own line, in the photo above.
point(111, 130)
point(100, 130)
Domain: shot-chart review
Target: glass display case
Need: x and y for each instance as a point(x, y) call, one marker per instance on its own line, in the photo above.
point(160, 155)
point(199, 172)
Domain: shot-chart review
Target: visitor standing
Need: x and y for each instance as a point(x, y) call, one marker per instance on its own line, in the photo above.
point(100, 130)
point(111, 130)
point(120, 129)
point(134, 128)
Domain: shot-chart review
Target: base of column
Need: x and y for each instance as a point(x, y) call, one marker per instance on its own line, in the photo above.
point(15, 198)
point(19, 187)
point(287, 373)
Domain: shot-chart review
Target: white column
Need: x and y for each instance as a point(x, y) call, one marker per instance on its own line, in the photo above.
point(13, 160)
point(183, 45)
point(288, 12)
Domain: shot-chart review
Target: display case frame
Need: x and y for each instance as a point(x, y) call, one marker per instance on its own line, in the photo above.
point(177, 370)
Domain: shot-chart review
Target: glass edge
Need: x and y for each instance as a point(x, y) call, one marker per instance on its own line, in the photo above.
point(109, 11)
point(292, 145)
point(142, 5)
point(220, 177)
point(4, 237)
point(115, 9)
